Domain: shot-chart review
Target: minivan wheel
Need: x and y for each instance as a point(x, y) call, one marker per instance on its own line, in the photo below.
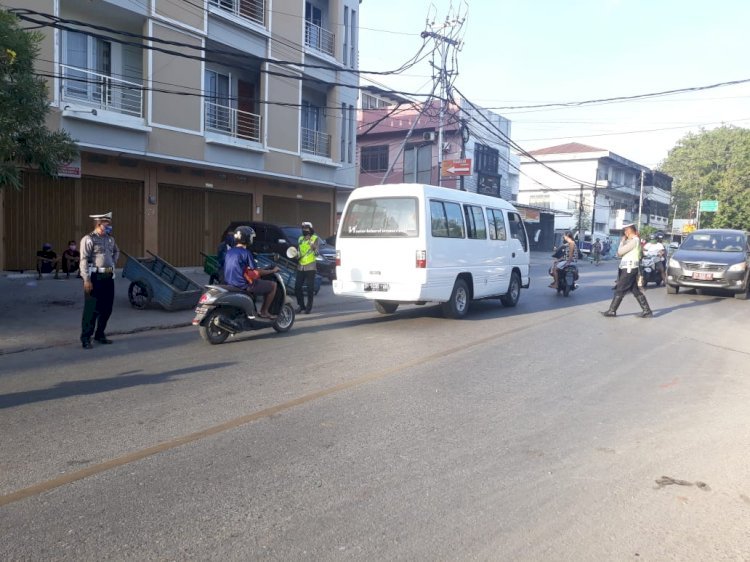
point(458, 305)
point(386, 307)
point(510, 299)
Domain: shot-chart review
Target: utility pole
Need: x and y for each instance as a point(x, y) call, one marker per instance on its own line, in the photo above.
point(640, 204)
point(443, 43)
point(580, 218)
point(593, 207)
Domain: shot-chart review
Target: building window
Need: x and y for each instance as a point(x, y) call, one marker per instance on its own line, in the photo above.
point(486, 159)
point(352, 133)
point(346, 35)
point(373, 102)
point(374, 158)
point(353, 43)
point(344, 131)
point(539, 200)
point(418, 164)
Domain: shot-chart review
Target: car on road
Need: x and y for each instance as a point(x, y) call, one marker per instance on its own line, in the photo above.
point(711, 259)
point(276, 239)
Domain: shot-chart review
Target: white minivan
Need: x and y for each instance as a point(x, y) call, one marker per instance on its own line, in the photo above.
point(413, 243)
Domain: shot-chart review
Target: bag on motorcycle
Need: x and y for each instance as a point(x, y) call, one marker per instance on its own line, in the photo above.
point(250, 275)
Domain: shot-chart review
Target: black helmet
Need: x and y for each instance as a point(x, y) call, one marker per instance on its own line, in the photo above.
point(244, 235)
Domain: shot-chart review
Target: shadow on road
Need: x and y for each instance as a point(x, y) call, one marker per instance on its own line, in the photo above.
point(689, 304)
point(127, 379)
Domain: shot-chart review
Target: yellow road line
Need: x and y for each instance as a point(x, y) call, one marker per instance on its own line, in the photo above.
point(234, 423)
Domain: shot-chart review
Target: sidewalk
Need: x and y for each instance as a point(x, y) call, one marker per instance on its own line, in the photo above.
point(47, 313)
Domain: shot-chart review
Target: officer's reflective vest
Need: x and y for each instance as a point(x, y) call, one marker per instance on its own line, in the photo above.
point(307, 256)
point(633, 257)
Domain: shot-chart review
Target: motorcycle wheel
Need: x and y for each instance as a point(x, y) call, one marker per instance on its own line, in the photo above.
point(210, 332)
point(566, 290)
point(284, 319)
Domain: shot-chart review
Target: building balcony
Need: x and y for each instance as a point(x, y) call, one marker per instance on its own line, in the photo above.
point(232, 122)
point(320, 39)
point(250, 10)
point(315, 142)
point(99, 91)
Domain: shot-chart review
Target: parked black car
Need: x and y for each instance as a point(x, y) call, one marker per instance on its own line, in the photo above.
point(711, 259)
point(276, 239)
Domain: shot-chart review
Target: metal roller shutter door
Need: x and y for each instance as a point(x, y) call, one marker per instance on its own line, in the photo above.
point(42, 211)
point(223, 208)
point(181, 224)
point(280, 210)
point(125, 200)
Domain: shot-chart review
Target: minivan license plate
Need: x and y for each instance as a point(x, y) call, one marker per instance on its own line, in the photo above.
point(703, 276)
point(376, 286)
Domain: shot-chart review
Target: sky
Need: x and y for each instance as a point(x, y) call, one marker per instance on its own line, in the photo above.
point(524, 52)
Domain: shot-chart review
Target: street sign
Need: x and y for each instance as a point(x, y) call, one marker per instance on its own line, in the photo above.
point(709, 206)
point(460, 167)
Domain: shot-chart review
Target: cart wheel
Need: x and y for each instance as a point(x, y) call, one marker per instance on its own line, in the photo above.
point(139, 294)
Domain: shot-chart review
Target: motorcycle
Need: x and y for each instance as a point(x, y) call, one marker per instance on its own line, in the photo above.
point(224, 310)
point(567, 276)
point(650, 272)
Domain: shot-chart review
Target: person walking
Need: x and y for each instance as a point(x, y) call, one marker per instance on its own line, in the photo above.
point(308, 245)
point(627, 281)
point(99, 254)
point(596, 250)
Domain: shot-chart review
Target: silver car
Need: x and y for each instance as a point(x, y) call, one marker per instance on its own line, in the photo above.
point(711, 259)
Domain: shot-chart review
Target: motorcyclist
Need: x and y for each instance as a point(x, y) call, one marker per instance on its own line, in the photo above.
point(240, 270)
point(655, 249)
point(568, 253)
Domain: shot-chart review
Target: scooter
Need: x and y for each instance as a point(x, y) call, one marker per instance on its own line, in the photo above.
point(224, 310)
point(650, 272)
point(566, 279)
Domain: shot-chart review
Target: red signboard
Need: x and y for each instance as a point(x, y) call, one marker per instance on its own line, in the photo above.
point(460, 167)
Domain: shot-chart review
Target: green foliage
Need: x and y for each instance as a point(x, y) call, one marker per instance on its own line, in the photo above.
point(712, 165)
point(24, 139)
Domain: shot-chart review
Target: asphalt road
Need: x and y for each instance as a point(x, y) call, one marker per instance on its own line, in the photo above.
point(544, 432)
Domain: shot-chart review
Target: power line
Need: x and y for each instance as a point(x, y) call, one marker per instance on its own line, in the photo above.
point(64, 24)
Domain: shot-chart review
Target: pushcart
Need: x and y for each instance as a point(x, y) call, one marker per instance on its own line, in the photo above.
point(153, 279)
point(211, 268)
point(287, 270)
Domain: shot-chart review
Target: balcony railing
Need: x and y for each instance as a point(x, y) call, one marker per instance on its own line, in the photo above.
point(100, 91)
point(316, 142)
point(320, 39)
point(233, 122)
point(253, 10)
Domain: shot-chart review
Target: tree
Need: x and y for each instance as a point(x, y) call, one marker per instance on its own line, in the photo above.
point(712, 165)
point(24, 139)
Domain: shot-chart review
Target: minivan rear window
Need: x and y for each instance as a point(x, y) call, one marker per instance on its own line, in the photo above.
point(381, 217)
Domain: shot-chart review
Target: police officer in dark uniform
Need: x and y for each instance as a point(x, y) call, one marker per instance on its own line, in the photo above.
point(99, 254)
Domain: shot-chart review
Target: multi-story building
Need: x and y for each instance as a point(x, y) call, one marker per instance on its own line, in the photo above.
point(190, 114)
point(607, 185)
point(383, 129)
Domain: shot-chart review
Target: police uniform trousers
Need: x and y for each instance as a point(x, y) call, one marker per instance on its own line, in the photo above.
point(305, 278)
point(628, 282)
point(97, 306)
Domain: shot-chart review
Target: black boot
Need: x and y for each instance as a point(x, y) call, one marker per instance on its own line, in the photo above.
point(644, 307)
point(613, 306)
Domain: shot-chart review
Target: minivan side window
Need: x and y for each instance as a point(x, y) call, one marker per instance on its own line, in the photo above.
point(497, 224)
point(517, 230)
point(475, 227)
point(446, 219)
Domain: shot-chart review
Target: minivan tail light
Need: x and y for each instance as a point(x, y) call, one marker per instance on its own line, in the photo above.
point(338, 257)
point(421, 259)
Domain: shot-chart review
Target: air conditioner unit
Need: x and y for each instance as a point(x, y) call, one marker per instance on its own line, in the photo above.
point(429, 137)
